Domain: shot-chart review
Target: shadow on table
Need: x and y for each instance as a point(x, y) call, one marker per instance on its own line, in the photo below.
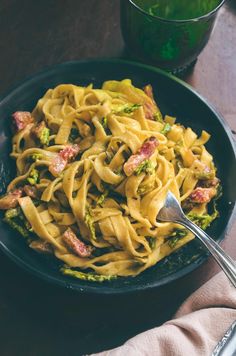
point(231, 4)
point(126, 55)
point(48, 320)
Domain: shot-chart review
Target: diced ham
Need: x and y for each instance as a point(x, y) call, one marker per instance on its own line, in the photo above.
point(202, 195)
point(75, 244)
point(145, 152)
point(149, 91)
point(41, 246)
point(57, 166)
point(69, 152)
point(30, 190)
point(21, 119)
point(149, 106)
point(10, 200)
point(60, 161)
point(148, 147)
point(149, 111)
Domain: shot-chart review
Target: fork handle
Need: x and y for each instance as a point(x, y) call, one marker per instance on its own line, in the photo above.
point(226, 262)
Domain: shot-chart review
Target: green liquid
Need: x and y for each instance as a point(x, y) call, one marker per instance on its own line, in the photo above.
point(172, 45)
point(178, 9)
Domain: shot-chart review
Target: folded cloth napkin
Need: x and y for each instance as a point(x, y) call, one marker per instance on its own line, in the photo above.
point(197, 327)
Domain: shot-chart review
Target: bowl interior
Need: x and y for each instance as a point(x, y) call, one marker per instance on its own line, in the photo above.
point(174, 98)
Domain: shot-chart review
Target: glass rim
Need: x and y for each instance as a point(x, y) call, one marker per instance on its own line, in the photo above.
point(194, 19)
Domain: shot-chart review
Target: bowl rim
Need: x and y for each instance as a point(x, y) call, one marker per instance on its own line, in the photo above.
point(127, 288)
point(194, 19)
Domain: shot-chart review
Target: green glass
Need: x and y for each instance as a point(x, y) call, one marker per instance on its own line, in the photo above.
point(169, 34)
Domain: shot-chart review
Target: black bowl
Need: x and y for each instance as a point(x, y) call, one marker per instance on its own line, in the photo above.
point(175, 98)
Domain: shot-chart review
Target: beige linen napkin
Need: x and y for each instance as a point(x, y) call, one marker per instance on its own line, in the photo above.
point(196, 329)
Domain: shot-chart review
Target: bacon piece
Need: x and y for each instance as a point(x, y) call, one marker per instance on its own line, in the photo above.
point(149, 106)
point(30, 190)
point(149, 91)
point(149, 111)
point(146, 150)
point(148, 147)
point(21, 119)
point(10, 200)
point(69, 152)
point(60, 161)
point(57, 166)
point(202, 195)
point(41, 246)
point(75, 244)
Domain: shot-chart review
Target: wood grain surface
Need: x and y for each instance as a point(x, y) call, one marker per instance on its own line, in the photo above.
point(39, 319)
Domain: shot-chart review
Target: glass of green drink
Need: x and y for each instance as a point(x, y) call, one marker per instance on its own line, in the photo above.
point(169, 34)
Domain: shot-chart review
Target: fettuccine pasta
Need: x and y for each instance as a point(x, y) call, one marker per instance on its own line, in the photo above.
point(93, 170)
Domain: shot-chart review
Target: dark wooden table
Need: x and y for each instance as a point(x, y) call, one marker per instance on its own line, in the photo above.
point(39, 319)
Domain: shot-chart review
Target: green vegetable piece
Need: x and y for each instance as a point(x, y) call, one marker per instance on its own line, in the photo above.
point(179, 233)
point(44, 136)
point(12, 213)
point(104, 122)
point(102, 197)
point(176, 235)
point(27, 224)
point(91, 277)
point(166, 129)
point(18, 217)
point(36, 156)
point(203, 221)
point(145, 188)
point(142, 190)
point(218, 195)
point(172, 242)
point(130, 109)
point(152, 242)
point(89, 223)
point(204, 175)
point(33, 177)
point(119, 171)
point(158, 117)
point(105, 125)
point(145, 167)
point(16, 226)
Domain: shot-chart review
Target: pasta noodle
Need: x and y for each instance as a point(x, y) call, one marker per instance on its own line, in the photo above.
point(93, 170)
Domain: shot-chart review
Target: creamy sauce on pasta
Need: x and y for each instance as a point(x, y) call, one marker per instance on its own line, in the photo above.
point(113, 213)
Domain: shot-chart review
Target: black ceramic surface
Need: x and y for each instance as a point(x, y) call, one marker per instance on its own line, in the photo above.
point(175, 98)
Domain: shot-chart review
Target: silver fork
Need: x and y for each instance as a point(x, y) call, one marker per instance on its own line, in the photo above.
point(172, 211)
